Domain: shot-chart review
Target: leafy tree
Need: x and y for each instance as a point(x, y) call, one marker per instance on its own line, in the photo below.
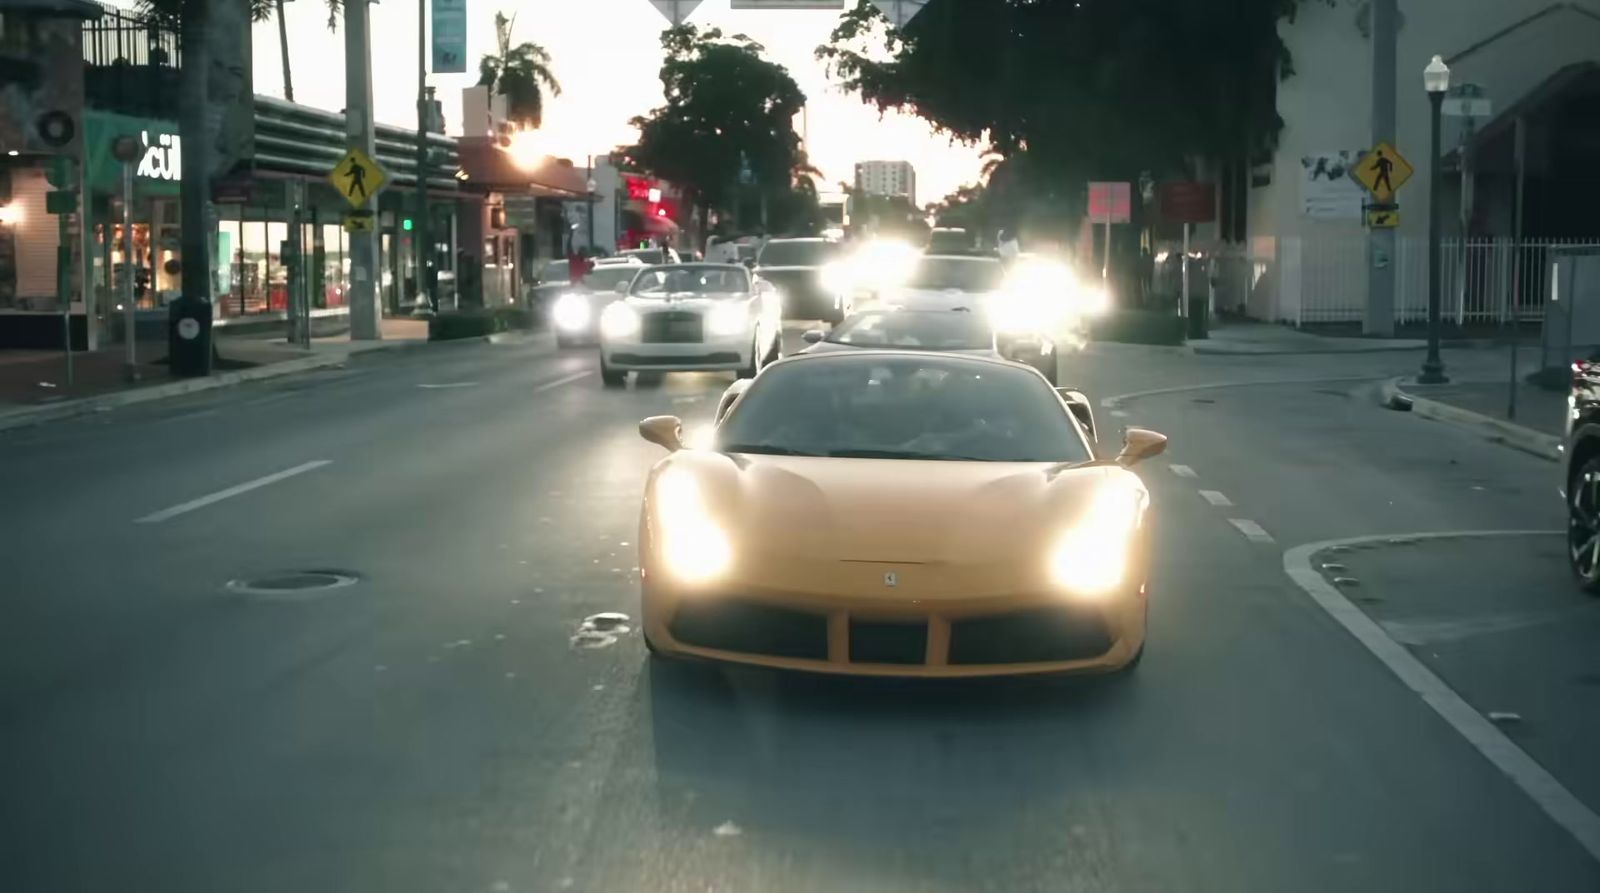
point(520, 73)
point(1071, 90)
point(725, 105)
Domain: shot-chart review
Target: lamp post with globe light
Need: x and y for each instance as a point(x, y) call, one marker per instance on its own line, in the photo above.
point(590, 185)
point(1436, 79)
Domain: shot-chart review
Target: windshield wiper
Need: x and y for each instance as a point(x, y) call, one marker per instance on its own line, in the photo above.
point(765, 449)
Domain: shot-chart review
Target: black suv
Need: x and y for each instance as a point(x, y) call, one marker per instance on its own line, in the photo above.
point(796, 267)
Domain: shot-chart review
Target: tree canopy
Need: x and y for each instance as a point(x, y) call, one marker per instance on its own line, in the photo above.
point(1069, 90)
point(520, 73)
point(725, 104)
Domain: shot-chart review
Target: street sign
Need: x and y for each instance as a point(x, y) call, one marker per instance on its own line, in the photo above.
point(359, 221)
point(1111, 202)
point(1466, 107)
point(1383, 217)
point(1184, 202)
point(675, 11)
point(357, 177)
point(1383, 171)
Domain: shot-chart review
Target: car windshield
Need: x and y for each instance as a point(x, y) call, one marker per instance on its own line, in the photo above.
point(898, 406)
point(973, 274)
point(606, 278)
point(706, 279)
point(923, 330)
point(796, 253)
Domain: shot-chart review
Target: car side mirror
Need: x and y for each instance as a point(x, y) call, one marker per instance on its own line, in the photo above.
point(1082, 410)
point(663, 430)
point(1139, 444)
point(812, 336)
point(620, 288)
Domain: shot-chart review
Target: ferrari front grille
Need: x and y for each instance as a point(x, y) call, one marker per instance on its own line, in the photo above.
point(751, 628)
point(1036, 635)
point(874, 642)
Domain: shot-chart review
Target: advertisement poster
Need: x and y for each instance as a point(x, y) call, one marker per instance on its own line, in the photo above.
point(449, 36)
point(1327, 191)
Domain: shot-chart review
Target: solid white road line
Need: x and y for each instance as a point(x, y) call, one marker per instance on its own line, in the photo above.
point(1183, 471)
point(1216, 498)
point(220, 495)
point(561, 381)
point(454, 384)
point(1252, 531)
point(1526, 773)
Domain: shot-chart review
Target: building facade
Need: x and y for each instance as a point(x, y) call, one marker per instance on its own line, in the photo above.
point(895, 178)
point(1305, 258)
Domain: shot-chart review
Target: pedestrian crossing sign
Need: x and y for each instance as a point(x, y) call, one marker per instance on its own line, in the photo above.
point(1383, 171)
point(357, 177)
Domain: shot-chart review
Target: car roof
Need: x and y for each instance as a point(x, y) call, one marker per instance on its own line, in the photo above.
point(697, 263)
point(865, 353)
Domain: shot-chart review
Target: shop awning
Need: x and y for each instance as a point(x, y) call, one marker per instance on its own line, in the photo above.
point(488, 166)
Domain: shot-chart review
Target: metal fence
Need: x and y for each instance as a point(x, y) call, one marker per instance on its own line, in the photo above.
point(123, 37)
point(1482, 281)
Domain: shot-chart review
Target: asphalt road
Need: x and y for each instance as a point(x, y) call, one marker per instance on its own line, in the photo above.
point(433, 727)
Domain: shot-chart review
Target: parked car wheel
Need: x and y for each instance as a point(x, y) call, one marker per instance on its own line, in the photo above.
point(1583, 525)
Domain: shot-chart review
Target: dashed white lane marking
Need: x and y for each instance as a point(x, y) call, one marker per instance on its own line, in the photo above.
point(1117, 413)
point(1183, 471)
point(453, 384)
point(231, 492)
point(1252, 531)
point(1540, 786)
point(1215, 498)
point(561, 381)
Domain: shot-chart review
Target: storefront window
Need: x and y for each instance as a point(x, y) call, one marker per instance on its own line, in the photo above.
point(277, 272)
point(252, 267)
point(334, 266)
point(227, 263)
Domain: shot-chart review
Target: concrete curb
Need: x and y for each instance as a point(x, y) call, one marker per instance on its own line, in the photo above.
point(1215, 348)
point(1545, 446)
point(35, 415)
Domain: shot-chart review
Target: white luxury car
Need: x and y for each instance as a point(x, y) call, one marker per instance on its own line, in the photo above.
point(691, 317)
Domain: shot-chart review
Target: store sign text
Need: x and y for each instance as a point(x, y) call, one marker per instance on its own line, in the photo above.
point(162, 161)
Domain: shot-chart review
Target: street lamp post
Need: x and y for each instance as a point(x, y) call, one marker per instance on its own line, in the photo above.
point(1436, 78)
point(591, 186)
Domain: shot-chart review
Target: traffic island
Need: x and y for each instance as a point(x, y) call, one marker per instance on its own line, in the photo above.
point(1482, 407)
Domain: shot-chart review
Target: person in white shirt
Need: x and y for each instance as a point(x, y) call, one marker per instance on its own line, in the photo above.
point(1008, 246)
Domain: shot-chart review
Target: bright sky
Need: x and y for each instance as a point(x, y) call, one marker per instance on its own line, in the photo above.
point(606, 56)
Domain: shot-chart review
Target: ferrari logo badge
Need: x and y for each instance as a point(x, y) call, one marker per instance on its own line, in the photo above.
point(891, 579)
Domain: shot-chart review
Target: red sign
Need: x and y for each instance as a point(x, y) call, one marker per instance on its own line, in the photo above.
point(639, 188)
point(1111, 202)
point(1189, 202)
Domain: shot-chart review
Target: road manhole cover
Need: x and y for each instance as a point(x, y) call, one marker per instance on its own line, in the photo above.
point(294, 584)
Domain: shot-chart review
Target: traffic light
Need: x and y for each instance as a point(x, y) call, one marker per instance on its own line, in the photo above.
point(405, 224)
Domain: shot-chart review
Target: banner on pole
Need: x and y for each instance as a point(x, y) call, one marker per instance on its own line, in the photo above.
point(449, 36)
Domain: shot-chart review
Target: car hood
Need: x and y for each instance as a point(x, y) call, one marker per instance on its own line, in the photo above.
point(691, 300)
point(971, 525)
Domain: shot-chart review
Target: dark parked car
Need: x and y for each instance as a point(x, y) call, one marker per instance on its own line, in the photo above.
point(1583, 473)
point(800, 270)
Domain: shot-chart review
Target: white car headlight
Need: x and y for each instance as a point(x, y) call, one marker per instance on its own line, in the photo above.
point(694, 548)
point(1092, 300)
point(619, 320)
point(1091, 558)
point(571, 313)
point(837, 279)
point(727, 319)
point(1016, 314)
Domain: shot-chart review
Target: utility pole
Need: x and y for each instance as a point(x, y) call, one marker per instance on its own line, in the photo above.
point(422, 233)
point(1379, 317)
point(198, 135)
point(359, 134)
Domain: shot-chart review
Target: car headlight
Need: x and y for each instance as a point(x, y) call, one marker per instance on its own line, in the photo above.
point(1091, 558)
point(1015, 314)
point(836, 278)
point(694, 548)
point(618, 320)
point(1092, 300)
point(727, 319)
point(571, 312)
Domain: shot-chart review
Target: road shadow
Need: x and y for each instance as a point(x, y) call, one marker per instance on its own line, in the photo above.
point(981, 783)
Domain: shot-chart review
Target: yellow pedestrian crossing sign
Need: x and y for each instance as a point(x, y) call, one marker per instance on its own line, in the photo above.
point(357, 177)
point(1383, 171)
point(1383, 218)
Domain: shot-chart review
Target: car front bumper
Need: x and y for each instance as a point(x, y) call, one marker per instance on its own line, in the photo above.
point(711, 355)
point(1009, 636)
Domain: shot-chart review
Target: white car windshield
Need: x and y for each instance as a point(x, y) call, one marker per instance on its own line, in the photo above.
point(705, 279)
point(887, 406)
point(921, 330)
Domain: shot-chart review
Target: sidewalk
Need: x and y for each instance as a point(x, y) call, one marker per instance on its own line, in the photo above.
point(1263, 339)
point(34, 386)
point(1540, 421)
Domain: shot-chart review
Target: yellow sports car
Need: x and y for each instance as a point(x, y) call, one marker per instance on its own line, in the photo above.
point(892, 513)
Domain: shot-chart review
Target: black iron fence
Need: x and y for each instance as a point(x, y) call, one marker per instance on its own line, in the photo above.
point(130, 64)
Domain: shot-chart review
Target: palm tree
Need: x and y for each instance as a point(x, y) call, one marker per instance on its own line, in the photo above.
point(520, 73)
